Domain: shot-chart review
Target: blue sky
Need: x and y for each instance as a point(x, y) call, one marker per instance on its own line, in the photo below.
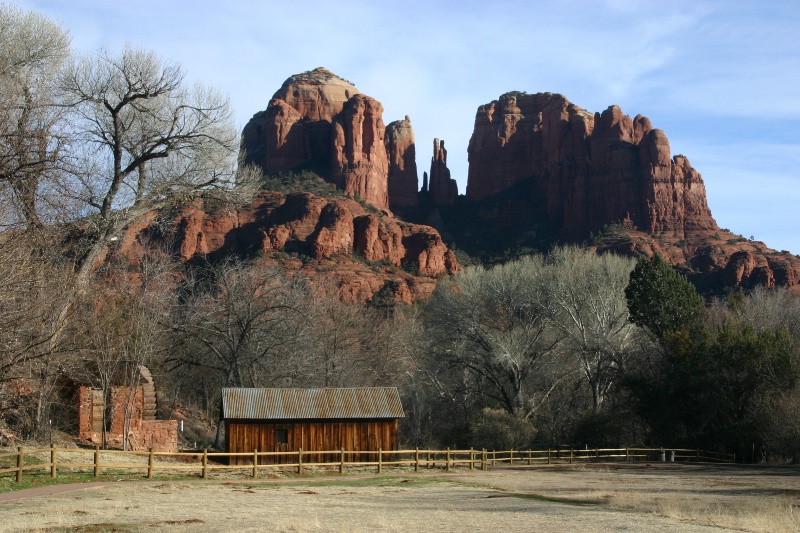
point(721, 78)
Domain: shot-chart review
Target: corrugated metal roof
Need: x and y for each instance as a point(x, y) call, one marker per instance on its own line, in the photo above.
point(283, 404)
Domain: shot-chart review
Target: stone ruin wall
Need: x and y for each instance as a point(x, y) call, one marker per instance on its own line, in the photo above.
point(161, 435)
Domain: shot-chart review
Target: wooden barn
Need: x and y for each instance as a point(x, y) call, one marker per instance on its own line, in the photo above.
point(284, 420)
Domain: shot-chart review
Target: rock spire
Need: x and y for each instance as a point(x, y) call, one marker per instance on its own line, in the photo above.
point(443, 189)
point(401, 150)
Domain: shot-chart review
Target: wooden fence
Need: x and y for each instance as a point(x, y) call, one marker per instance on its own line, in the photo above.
point(205, 461)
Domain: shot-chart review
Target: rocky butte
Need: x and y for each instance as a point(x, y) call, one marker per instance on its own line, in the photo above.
point(317, 121)
point(591, 169)
point(538, 156)
point(321, 122)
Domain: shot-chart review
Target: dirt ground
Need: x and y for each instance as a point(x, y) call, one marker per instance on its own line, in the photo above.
point(578, 498)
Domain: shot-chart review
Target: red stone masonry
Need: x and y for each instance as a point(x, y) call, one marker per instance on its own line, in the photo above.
point(161, 435)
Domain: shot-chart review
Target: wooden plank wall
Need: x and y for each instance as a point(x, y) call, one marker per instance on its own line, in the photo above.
point(352, 435)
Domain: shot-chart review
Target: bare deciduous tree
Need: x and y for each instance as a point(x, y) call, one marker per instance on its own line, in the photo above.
point(31, 285)
point(243, 324)
point(495, 324)
point(342, 337)
point(144, 140)
point(32, 139)
point(589, 292)
point(353, 345)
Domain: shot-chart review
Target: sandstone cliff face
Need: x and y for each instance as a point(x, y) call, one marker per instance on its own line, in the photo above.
point(590, 170)
point(443, 189)
point(294, 130)
point(321, 122)
point(573, 172)
point(360, 166)
point(358, 251)
point(401, 151)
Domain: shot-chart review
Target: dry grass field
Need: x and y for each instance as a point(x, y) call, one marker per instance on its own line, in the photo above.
point(578, 498)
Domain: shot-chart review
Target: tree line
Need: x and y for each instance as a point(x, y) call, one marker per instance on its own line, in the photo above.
point(579, 349)
point(564, 348)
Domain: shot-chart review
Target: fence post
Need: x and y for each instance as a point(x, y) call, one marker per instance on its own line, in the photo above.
point(52, 461)
point(341, 460)
point(494, 457)
point(255, 463)
point(205, 463)
point(150, 464)
point(416, 459)
point(484, 461)
point(447, 460)
point(529, 457)
point(511, 457)
point(471, 459)
point(380, 460)
point(597, 455)
point(548, 455)
point(19, 464)
point(570, 455)
point(299, 460)
point(627, 455)
point(697, 455)
point(96, 460)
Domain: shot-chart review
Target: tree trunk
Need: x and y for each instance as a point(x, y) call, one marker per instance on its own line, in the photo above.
point(597, 396)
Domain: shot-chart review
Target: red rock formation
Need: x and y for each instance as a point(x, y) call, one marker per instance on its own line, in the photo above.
point(360, 166)
point(321, 122)
point(294, 131)
point(425, 249)
point(712, 259)
point(590, 170)
point(378, 239)
point(748, 269)
point(334, 233)
point(443, 189)
point(316, 95)
point(359, 251)
point(401, 150)
point(577, 172)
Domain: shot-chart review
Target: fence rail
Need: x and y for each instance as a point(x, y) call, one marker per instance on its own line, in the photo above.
point(205, 461)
